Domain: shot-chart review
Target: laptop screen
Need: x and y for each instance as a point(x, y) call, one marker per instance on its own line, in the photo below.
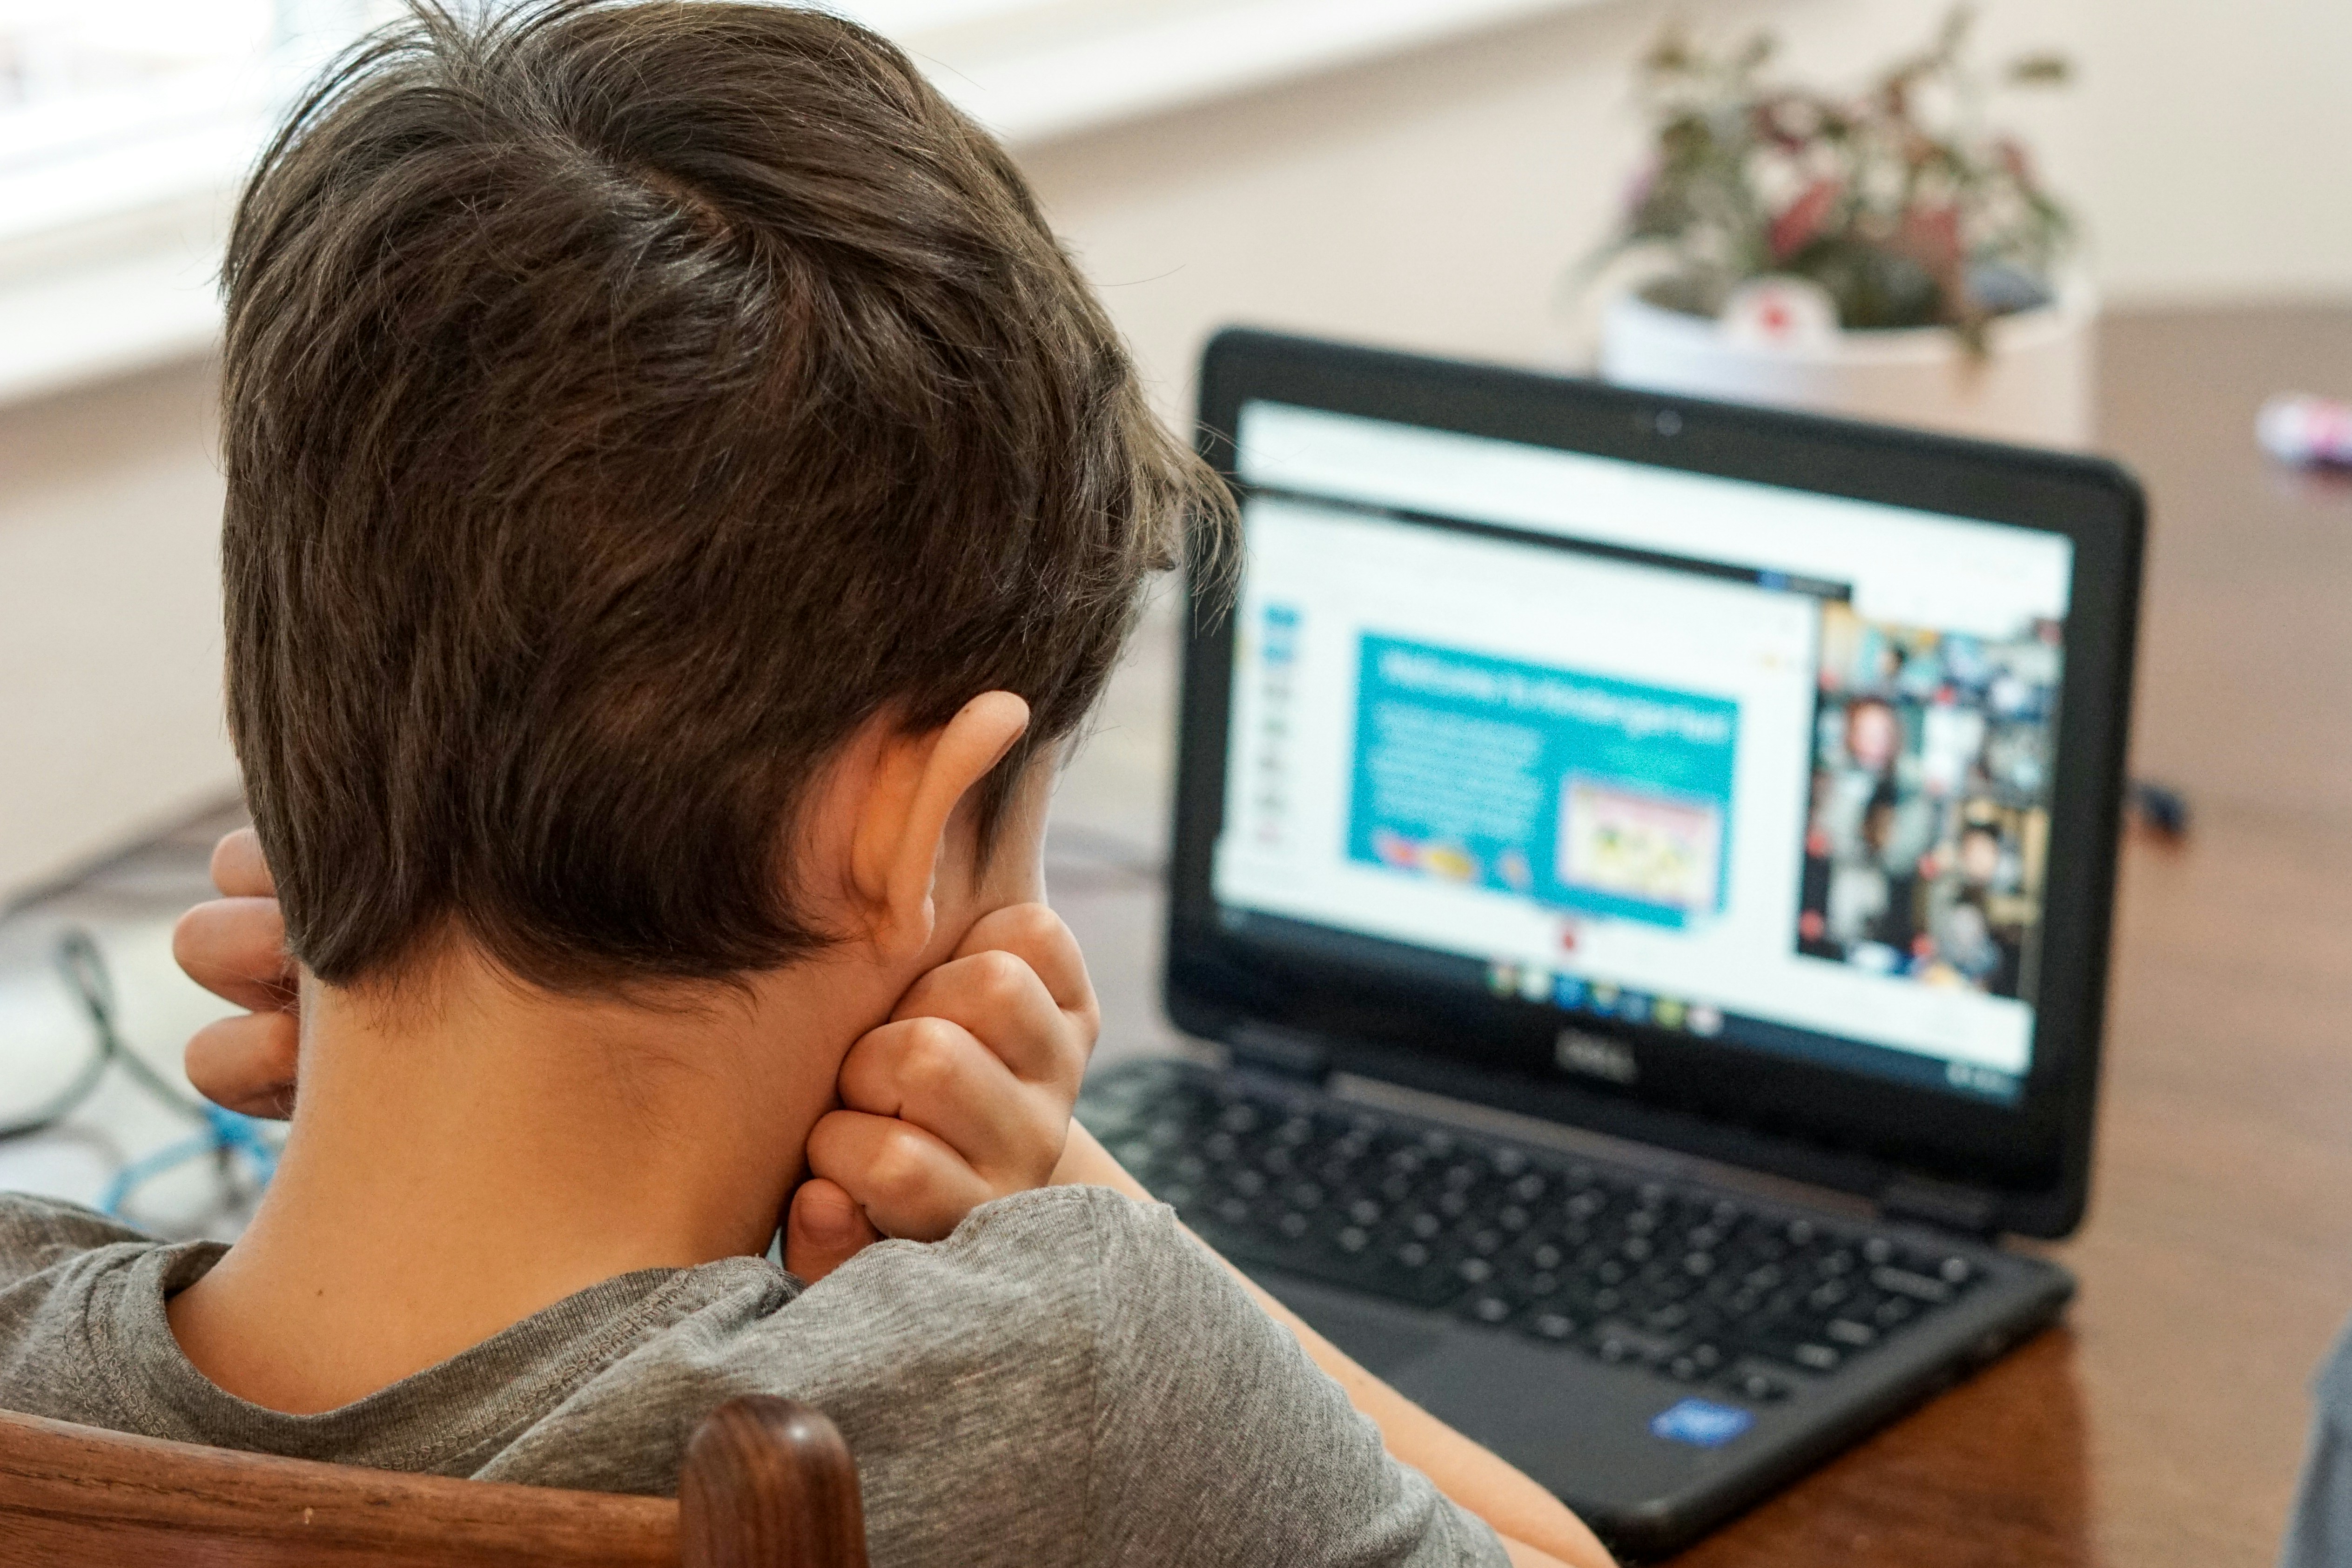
point(1761, 767)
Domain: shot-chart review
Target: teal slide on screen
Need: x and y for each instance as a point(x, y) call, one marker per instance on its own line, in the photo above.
point(1580, 792)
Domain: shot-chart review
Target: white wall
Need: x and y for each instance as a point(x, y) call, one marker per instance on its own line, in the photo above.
point(1433, 201)
point(2219, 156)
point(110, 635)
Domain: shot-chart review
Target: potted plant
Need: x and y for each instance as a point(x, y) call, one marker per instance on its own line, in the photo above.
point(1884, 255)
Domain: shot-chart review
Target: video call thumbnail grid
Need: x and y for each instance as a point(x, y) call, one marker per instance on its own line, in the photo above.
point(1929, 823)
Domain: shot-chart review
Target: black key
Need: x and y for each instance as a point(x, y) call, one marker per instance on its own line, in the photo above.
point(1701, 1360)
point(1846, 1331)
point(1533, 1287)
point(1397, 1277)
point(1556, 1327)
point(1486, 1307)
point(1622, 1342)
point(1761, 1387)
point(1546, 1256)
point(1918, 1287)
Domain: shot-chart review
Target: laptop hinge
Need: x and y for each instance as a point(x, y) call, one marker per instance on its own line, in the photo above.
point(1283, 1053)
point(1941, 1205)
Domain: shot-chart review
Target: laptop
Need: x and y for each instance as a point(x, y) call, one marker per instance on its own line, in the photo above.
point(1648, 864)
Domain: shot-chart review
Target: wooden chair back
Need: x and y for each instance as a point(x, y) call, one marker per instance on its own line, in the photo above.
point(767, 1483)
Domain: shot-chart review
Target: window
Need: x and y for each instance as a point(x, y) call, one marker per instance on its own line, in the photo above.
point(106, 109)
point(125, 124)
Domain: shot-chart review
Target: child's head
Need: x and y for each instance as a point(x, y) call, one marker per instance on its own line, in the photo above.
point(627, 408)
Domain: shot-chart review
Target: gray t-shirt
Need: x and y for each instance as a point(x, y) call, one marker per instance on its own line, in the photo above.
point(1067, 1379)
point(2319, 1531)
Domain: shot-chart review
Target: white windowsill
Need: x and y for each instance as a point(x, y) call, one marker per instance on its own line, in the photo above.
point(1065, 79)
point(117, 303)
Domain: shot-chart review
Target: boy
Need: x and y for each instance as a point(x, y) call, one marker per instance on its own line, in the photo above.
point(680, 500)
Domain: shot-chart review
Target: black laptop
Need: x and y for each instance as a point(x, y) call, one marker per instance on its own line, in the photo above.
point(1648, 863)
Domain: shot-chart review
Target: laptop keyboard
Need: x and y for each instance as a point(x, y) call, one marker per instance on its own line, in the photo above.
point(1690, 1281)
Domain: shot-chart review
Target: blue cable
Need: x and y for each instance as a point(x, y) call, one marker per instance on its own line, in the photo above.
point(226, 1133)
point(139, 1171)
point(83, 968)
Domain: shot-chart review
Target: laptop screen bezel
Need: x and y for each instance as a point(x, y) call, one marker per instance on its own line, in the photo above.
point(2029, 1162)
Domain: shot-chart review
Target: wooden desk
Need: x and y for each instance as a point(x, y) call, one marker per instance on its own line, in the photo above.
point(2163, 1426)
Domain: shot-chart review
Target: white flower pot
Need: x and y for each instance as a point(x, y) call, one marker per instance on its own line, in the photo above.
point(2035, 386)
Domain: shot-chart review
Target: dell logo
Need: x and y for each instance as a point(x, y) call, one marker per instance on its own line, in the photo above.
point(1595, 1056)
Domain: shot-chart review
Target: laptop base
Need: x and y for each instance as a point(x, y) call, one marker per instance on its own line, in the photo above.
point(1654, 1399)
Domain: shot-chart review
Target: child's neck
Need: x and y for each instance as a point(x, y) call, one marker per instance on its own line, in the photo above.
point(458, 1165)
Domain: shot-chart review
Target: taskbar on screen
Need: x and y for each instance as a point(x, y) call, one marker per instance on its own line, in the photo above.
point(1575, 996)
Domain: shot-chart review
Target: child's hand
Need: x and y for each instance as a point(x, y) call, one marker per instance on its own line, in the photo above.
point(965, 1095)
point(234, 947)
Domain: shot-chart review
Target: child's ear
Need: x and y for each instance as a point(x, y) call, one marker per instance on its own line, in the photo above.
point(902, 825)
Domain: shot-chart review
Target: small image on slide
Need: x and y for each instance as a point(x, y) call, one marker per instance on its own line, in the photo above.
point(1635, 844)
point(1579, 791)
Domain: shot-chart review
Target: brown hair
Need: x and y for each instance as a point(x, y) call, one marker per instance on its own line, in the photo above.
point(622, 403)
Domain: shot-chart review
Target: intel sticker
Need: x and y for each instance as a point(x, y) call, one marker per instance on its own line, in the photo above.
point(1701, 1423)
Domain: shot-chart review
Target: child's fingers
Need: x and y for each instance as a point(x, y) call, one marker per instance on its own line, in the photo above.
point(936, 1075)
point(824, 1229)
point(247, 1063)
point(238, 869)
point(910, 1183)
point(999, 998)
point(1038, 937)
point(236, 949)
